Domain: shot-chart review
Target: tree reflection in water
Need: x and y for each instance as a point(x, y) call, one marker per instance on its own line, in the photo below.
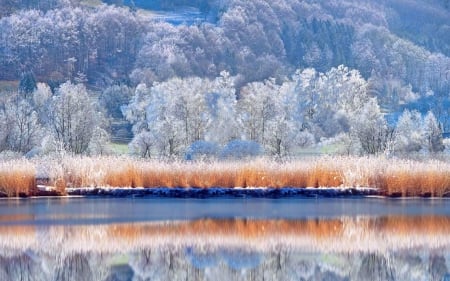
point(375, 267)
point(74, 267)
point(348, 248)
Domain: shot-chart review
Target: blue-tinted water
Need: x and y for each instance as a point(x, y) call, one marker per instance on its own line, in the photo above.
point(115, 210)
point(224, 239)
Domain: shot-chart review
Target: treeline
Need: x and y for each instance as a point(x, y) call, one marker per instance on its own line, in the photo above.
point(70, 43)
point(11, 6)
point(253, 40)
point(196, 117)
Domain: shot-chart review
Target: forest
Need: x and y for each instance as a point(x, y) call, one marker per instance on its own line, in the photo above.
point(224, 78)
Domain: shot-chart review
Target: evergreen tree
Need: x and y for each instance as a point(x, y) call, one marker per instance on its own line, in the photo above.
point(27, 84)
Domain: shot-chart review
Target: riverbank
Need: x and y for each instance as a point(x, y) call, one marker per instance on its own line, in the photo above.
point(223, 192)
point(318, 176)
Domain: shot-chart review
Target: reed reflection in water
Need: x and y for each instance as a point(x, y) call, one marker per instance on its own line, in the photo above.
point(345, 248)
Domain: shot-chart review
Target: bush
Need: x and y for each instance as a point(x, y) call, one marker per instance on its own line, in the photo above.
point(202, 149)
point(238, 149)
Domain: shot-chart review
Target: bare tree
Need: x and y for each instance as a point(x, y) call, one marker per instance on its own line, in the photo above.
point(21, 129)
point(74, 117)
point(370, 128)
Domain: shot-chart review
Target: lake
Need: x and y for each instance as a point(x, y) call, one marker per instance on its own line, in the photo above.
point(224, 239)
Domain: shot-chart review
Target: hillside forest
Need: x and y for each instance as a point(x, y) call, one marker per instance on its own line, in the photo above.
point(224, 78)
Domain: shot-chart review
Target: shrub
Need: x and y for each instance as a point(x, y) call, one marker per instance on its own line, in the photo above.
point(239, 149)
point(201, 150)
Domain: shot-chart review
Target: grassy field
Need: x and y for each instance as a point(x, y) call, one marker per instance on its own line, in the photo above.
point(392, 177)
point(119, 149)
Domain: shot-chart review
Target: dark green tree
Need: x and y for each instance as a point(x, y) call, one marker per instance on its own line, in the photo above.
point(27, 84)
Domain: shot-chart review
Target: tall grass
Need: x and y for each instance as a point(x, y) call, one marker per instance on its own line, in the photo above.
point(17, 178)
point(412, 178)
point(392, 177)
point(127, 172)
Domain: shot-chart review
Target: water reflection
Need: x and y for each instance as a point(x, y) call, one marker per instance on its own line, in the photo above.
point(346, 248)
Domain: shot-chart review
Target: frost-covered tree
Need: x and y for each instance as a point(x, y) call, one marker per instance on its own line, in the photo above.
point(285, 131)
point(325, 102)
point(143, 143)
point(224, 125)
point(136, 111)
point(273, 115)
point(312, 105)
point(114, 98)
point(167, 111)
point(179, 112)
point(253, 39)
point(370, 129)
point(414, 133)
point(99, 143)
point(74, 117)
point(433, 133)
point(41, 101)
point(409, 133)
point(21, 130)
point(305, 97)
point(256, 108)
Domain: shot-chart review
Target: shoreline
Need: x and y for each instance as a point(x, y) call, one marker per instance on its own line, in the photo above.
point(220, 192)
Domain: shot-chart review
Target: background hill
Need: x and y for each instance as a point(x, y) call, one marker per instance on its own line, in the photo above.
point(401, 48)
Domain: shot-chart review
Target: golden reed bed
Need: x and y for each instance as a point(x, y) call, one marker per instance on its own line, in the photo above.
point(390, 176)
point(346, 234)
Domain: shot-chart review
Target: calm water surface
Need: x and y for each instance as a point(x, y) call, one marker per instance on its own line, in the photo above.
point(224, 239)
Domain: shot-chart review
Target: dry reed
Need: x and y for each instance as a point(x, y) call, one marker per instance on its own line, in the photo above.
point(17, 178)
point(392, 177)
